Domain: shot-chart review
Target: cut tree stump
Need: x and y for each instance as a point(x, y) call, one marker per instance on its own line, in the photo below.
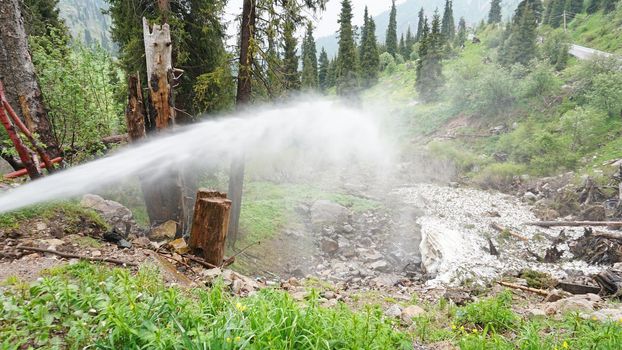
point(209, 226)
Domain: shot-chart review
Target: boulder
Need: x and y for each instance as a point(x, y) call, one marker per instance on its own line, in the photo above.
point(411, 312)
point(380, 265)
point(164, 232)
point(393, 311)
point(324, 212)
point(576, 303)
point(115, 214)
point(329, 246)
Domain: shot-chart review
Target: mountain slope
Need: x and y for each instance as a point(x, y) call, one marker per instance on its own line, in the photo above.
point(472, 10)
point(86, 21)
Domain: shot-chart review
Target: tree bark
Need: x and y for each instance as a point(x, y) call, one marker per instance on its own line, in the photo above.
point(18, 74)
point(210, 226)
point(164, 194)
point(135, 110)
point(243, 97)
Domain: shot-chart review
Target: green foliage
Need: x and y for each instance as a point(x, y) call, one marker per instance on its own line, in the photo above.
point(41, 17)
point(347, 76)
point(370, 60)
point(88, 305)
point(387, 63)
point(499, 175)
point(291, 76)
point(309, 60)
point(606, 93)
point(420, 25)
point(70, 212)
point(520, 46)
point(323, 68)
point(540, 82)
point(448, 26)
point(430, 67)
point(494, 15)
point(493, 313)
point(80, 86)
point(197, 35)
point(461, 36)
point(555, 49)
point(391, 38)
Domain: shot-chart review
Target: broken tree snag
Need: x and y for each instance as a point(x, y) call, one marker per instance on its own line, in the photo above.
point(502, 229)
point(135, 110)
point(209, 227)
point(158, 52)
point(575, 223)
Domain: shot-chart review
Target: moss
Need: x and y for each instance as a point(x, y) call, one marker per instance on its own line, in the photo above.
point(69, 211)
point(539, 280)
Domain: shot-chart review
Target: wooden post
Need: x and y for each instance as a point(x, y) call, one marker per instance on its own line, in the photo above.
point(210, 226)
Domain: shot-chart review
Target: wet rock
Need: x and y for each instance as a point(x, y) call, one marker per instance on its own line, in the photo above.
point(393, 311)
point(371, 257)
point(576, 303)
point(164, 232)
point(329, 246)
point(411, 312)
point(119, 239)
point(380, 265)
point(324, 212)
point(594, 213)
point(300, 296)
point(114, 213)
point(530, 197)
point(458, 297)
point(347, 228)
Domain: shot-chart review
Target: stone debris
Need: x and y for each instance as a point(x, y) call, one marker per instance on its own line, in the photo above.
point(164, 232)
point(179, 246)
point(411, 312)
point(576, 303)
point(115, 214)
point(393, 311)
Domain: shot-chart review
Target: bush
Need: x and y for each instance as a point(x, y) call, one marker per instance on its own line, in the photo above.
point(606, 93)
point(499, 176)
point(387, 63)
point(555, 49)
point(492, 313)
point(540, 81)
point(583, 127)
point(463, 160)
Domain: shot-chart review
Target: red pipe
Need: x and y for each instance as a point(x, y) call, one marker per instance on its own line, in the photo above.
point(23, 172)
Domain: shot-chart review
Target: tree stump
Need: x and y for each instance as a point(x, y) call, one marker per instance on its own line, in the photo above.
point(210, 225)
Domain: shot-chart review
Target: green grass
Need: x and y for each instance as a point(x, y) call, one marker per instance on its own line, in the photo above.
point(268, 207)
point(69, 211)
point(87, 305)
point(598, 31)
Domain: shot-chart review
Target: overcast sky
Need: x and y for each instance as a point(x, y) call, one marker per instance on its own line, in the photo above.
point(326, 23)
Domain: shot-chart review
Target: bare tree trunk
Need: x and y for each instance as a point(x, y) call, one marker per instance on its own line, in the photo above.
point(164, 195)
point(135, 110)
point(210, 226)
point(18, 74)
point(236, 175)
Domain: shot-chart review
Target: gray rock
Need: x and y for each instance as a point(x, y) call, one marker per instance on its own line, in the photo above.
point(411, 312)
point(329, 246)
point(114, 213)
point(347, 228)
point(575, 303)
point(393, 311)
point(529, 196)
point(324, 212)
point(380, 265)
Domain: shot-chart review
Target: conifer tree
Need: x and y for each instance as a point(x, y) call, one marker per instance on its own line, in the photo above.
point(522, 42)
point(536, 8)
point(461, 36)
point(370, 59)
point(448, 27)
point(410, 41)
point(291, 77)
point(41, 16)
point(546, 17)
point(494, 16)
point(574, 7)
point(609, 6)
point(420, 23)
point(391, 40)
point(331, 78)
point(430, 66)
point(402, 47)
point(323, 70)
point(557, 13)
point(346, 68)
point(594, 6)
point(309, 61)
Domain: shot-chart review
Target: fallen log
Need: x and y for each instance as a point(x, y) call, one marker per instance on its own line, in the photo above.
point(76, 256)
point(548, 224)
point(541, 292)
point(502, 229)
point(209, 227)
point(574, 288)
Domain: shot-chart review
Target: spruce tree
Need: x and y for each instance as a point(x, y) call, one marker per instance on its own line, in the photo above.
point(402, 47)
point(42, 16)
point(430, 66)
point(291, 77)
point(331, 78)
point(594, 6)
point(309, 61)
point(323, 70)
point(346, 66)
point(391, 40)
point(574, 7)
point(420, 23)
point(546, 17)
point(370, 59)
point(410, 41)
point(522, 42)
point(494, 16)
point(462, 33)
point(557, 13)
point(609, 6)
point(448, 27)
point(536, 8)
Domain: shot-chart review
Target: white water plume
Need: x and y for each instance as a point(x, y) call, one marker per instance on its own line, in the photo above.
point(322, 130)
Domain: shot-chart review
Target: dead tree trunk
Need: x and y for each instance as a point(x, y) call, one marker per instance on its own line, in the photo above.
point(236, 174)
point(164, 195)
point(210, 226)
point(135, 110)
point(18, 74)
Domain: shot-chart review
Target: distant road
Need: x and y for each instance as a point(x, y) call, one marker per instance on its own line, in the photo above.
point(585, 53)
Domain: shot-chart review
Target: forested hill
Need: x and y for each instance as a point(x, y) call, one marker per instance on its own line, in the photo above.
point(86, 20)
point(472, 10)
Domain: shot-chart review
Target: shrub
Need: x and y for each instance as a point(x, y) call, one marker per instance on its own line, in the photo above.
point(492, 313)
point(387, 63)
point(540, 81)
point(555, 49)
point(499, 175)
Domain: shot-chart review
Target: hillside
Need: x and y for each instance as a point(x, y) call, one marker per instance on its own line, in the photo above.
point(86, 21)
point(407, 13)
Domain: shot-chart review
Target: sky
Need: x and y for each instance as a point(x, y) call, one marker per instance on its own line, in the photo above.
point(326, 22)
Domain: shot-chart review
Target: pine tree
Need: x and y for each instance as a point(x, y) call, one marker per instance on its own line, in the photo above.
point(42, 16)
point(609, 6)
point(420, 24)
point(430, 66)
point(370, 59)
point(557, 13)
point(331, 78)
point(536, 8)
point(574, 7)
point(309, 61)
point(494, 16)
point(462, 33)
point(522, 42)
point(291, 77)
point(410, 41)
point(546, 17)
point(448, 28)
point(402, 47)
point(594, 6)
point(346, 66)
point(391, 40)
point(323, 70)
